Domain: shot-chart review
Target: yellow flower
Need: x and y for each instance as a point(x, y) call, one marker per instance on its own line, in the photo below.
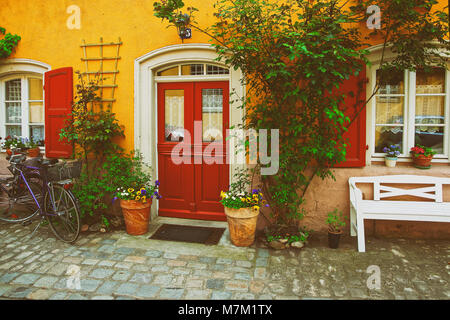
point(130, 190)
point(223, 194)
point(137, 198)
point(144, 199)
point(255, 208)
point(243, 199)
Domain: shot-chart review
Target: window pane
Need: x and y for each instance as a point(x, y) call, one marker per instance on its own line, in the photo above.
point(169, 72)
point(13, 112)
point(174, 115)
point(36, 112)
point(13, 90)
point(389, 110)
point(393, 85)
point(192, 69)
point(430, 110)
point(37, 133)
point(430, 137)
point(14, 131)
point(431, 82)
point(211, 69)
point(212, 110)
point(386, 136)
point(35, 91)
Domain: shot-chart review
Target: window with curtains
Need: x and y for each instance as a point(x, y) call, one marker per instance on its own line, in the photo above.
point(22, 107)
point(412, 109)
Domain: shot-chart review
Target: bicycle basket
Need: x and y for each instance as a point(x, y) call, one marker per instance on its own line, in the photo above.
point(64, 170)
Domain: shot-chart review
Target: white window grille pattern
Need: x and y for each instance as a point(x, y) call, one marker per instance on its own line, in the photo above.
point(412, 114)
point(195, 69)
point(22, 107)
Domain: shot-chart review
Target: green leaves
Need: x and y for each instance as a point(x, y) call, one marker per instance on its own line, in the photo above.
point(8, 43)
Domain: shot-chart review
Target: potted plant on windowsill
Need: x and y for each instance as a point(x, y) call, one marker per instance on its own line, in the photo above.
point(242, 208)
point(32, 148)
point(12, 143)
point(422, 156)
point(136, 194)
point(335, 221)
point(392, 153)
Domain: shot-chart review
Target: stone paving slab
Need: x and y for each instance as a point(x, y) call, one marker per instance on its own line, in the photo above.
point(118, 266)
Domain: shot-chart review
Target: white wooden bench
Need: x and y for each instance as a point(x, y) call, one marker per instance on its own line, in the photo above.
point(435, 211)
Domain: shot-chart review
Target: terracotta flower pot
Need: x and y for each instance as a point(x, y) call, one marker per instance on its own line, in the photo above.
point(136, 215)
point(33, 152)
point(242, 225)
point(333, 239)
point(422, 162)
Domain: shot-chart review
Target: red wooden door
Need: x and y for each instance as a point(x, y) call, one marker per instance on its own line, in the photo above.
point(58, 106)
point(192, 123)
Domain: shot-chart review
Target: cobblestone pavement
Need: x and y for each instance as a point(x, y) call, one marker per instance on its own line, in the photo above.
point(118, 266)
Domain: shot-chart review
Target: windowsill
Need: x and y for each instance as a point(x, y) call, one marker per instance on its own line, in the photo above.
point(407, 160)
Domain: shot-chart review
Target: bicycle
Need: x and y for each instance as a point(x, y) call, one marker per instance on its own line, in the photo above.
point(37, 191)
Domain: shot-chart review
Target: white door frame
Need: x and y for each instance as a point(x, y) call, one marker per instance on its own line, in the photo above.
point(145, 94)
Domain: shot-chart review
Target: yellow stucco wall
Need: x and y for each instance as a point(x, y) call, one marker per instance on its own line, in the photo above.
point(46, 38)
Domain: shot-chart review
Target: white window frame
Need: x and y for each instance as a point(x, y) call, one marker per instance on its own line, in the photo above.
point(25, 104)
point(409, 117)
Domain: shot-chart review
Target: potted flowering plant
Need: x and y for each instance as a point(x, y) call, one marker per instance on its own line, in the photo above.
point(242, 208)
point(335, 221)
point(13, 143)
point(392, 153)
point(136, 194)
point(32, 147)
point(422, 156)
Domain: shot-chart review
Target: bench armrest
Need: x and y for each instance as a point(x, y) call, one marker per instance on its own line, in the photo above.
point(355, 194)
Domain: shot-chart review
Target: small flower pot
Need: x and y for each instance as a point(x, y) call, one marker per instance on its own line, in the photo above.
point(34, 152)
point(334, 238)
point(242, 225)
point(422, 162)
point(390, 161)
point(136, 215)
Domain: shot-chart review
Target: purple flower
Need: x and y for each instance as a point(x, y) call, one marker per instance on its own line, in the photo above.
point(157, 183)
point(114, 199)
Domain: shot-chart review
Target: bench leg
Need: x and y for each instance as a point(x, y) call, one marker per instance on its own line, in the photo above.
point(361, 239)
point(352, 221)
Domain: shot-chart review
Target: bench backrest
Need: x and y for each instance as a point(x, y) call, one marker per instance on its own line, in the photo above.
point(380, 190)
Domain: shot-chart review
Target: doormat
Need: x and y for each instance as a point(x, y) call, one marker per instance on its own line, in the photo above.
point(174, 232)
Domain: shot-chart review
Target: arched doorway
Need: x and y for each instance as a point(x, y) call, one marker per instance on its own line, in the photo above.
point(193, 68)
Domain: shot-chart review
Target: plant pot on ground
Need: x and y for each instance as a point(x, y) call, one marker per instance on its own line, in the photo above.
point(242, 209)
point(135, 192)
point(335, 221)
point(136, 215)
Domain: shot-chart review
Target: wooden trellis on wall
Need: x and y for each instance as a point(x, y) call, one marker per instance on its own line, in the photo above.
point(101, 60)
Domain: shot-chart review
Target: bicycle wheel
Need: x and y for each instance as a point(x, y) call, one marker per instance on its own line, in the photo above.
point(62, 213)
point(20, 205)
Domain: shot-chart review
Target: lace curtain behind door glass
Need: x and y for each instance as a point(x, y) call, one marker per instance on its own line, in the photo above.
point(174, 115)
point(212, 110)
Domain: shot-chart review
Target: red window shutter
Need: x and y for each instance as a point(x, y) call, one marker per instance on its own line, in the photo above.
point(58, 106)
point(356, 134)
